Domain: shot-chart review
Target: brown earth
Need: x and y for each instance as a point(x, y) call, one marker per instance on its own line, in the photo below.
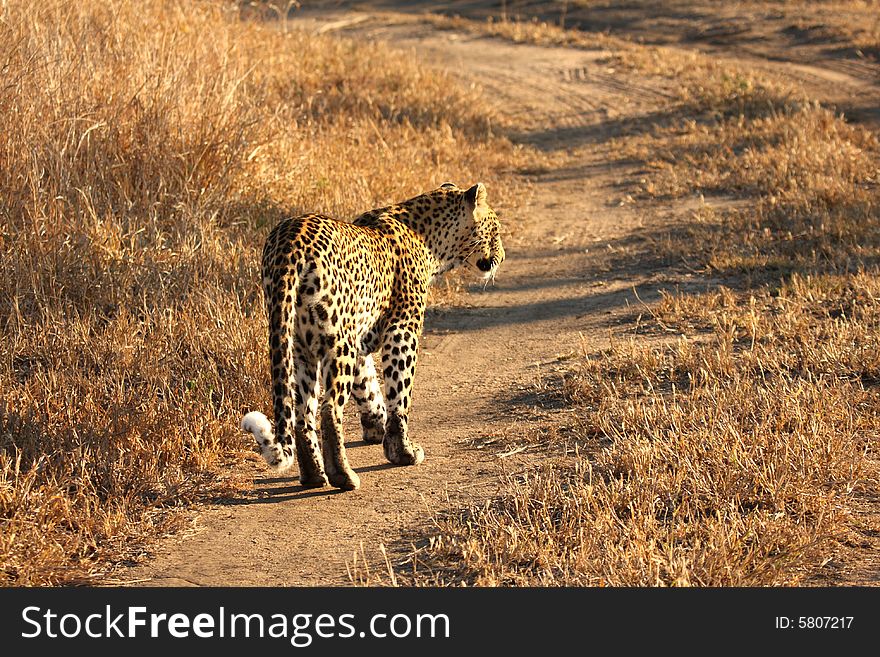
point(565, 287)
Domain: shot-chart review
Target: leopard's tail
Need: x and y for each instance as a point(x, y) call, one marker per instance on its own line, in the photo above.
point(276, 447)
point(271, 450)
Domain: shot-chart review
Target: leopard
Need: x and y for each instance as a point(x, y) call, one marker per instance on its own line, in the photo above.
point(337, 292)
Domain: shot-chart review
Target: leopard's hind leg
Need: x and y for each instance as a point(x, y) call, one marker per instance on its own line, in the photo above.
point(367, 392)
point(337, 371)
point(308, 452)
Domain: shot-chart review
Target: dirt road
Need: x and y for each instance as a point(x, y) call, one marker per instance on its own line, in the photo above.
point(480, 362)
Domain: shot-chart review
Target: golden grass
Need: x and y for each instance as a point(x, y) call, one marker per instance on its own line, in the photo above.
point(522, 30)
point(736, 454)
point(147, 149)
point(805, 182)
point(725, 462)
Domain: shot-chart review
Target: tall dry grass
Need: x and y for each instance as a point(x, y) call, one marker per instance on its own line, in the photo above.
point(147, 149)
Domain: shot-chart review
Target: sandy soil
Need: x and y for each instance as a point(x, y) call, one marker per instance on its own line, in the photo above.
point(482, 361)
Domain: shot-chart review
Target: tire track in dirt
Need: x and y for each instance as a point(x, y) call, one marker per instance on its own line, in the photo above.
point(827, 66)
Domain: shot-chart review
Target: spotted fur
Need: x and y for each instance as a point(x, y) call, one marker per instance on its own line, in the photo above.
point(336, 293)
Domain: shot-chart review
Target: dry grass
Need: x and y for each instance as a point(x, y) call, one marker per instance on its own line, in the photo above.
point(524, 30)
point(848, 28)
point(805, 184)
point(147, 149)
point(728, 461)
point(735, 455)
point(851, 26)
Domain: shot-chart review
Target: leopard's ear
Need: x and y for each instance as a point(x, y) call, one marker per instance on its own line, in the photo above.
point(476, 196)
point(448, 185)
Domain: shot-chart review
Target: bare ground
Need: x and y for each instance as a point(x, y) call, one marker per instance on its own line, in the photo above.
point(562, 289)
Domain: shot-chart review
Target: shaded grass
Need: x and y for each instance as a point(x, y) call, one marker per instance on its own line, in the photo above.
point(808, 179)
point(848, 28)
point(147, 149)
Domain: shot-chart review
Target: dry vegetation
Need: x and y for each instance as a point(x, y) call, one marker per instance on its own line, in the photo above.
point(851, 26)
point(147, 148)
point(521, 30)
point(736, 454)
point(848, 28)
point(728, 460)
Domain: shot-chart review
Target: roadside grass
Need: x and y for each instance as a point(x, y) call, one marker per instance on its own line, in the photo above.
point(842, 28)
point(727, 460)
point(735, 453)
point(851, 27)
point(147, 149)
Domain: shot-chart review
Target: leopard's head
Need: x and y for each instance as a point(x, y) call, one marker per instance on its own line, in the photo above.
point(477, 235)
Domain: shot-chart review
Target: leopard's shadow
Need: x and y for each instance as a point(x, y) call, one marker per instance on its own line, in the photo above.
point(270, 492)
point(280, 494)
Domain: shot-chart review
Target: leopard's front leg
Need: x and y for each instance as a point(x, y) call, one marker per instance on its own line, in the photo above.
point(399, 354)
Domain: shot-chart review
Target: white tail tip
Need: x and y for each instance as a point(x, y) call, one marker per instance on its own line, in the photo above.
point(274, 454)
point(257, 424)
